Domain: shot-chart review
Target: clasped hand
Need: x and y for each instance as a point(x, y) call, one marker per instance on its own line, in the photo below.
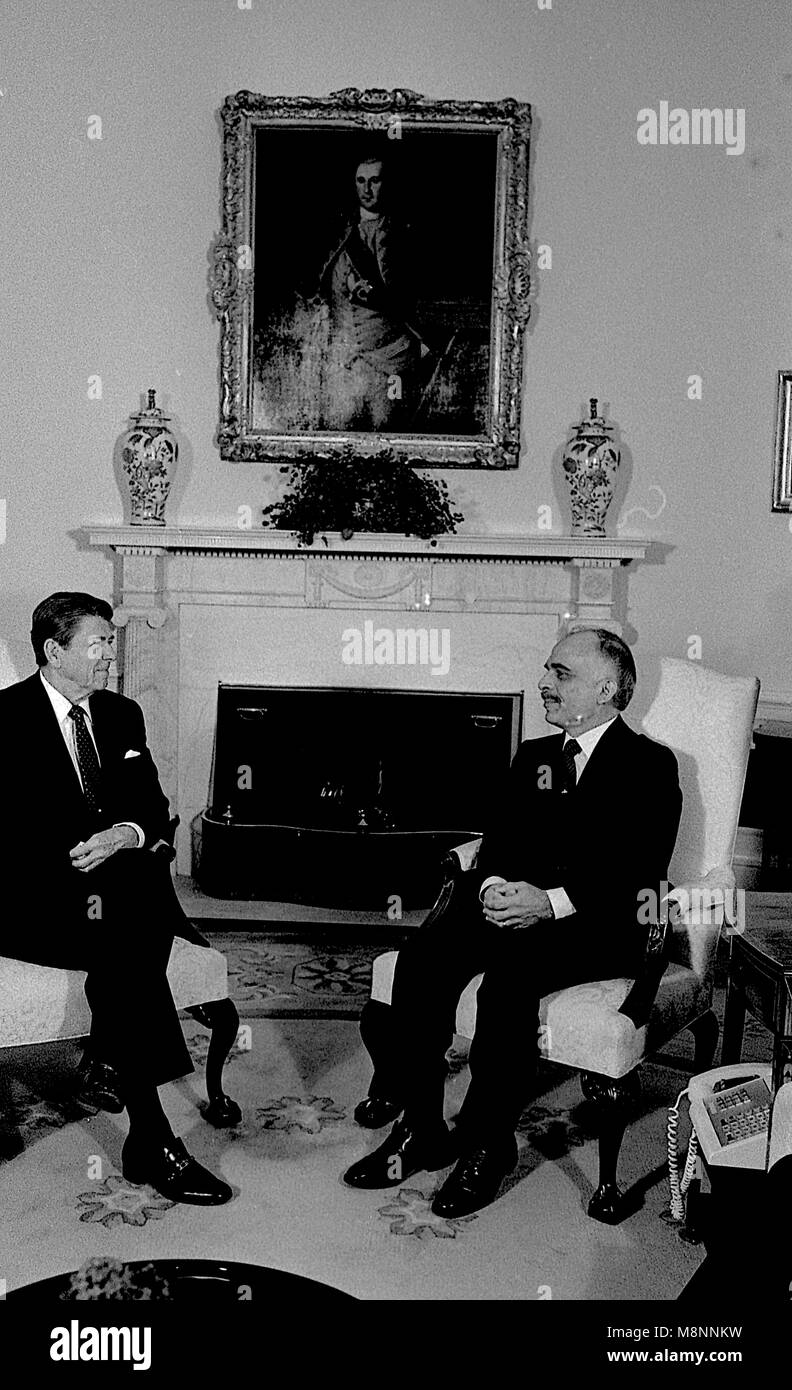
point(515, 905)
point(89, 853)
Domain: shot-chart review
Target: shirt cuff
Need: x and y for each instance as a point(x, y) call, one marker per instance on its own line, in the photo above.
point(488, 882)
point(141, 839)
point(559, 902)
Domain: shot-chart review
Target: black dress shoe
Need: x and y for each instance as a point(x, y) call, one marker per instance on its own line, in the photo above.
point(475, 1181)
point(168, 1167)
point(98, 1086)
point(404, 1152)
point(376, 1111)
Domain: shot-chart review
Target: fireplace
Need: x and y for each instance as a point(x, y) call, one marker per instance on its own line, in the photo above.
point(200, 606)
point(348, 796)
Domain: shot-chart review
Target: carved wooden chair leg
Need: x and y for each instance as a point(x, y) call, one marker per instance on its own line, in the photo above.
point(705, 1033)
point(221, 1018)
point(615, 1101)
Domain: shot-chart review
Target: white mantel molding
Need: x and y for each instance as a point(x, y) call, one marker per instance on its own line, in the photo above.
point(606, 552)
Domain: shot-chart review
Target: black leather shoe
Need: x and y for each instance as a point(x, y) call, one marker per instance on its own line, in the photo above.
point(168, 1167)
point(98, 1086)
point(403, 1153)
point(475, 1181)
point(376, 1111)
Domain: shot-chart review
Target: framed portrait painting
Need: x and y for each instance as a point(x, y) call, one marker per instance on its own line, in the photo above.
point(372, 278)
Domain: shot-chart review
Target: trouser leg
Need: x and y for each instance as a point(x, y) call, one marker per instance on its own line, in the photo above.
point(135, 1024)
point(431, 972)
point(118, 927)
point(380, 1035)
point(502, 1057)
point(147, 1119)
point(526, 965)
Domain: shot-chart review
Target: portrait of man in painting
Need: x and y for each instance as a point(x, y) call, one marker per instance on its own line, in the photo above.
point(372, 306)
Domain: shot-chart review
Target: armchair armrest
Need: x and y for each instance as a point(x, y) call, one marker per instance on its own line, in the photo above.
point(639, 1001)
point(165, 847)
point(707, 902)
point(456, 862)
point(464, 856)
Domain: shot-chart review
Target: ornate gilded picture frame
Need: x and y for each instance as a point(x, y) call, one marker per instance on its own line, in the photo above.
point(372, 278)
point(782, 464)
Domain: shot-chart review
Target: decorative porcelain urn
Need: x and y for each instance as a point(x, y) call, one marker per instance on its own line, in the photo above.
point(590, 462)
point(149, 453)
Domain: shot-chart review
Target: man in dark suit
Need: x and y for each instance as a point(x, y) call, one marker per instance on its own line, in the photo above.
point(586, 824)
point(81, 807)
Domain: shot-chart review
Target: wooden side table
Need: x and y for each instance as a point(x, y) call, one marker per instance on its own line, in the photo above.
point(760, 980)
point(769, 766)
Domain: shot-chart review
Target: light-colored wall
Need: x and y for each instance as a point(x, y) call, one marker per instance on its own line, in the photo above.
point(666, 262)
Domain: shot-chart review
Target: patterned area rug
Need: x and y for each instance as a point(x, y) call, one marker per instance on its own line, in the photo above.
point(64, 1198)
point(298, 1070)
point(293, 977)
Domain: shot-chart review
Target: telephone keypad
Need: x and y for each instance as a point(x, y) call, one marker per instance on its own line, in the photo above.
point(741, 1112)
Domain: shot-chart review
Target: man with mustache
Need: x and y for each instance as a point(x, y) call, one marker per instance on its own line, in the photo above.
point(81, 808)
point(587, 821)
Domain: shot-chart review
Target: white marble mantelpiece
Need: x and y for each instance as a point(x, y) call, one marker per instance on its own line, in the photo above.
point(201, 540)
point(199, 605)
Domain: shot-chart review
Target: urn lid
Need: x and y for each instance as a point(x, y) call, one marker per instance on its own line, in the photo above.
point(595, 427)
point(152, 415)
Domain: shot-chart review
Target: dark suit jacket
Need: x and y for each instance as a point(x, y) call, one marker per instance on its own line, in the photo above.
point(43, 812)
point(605, 841)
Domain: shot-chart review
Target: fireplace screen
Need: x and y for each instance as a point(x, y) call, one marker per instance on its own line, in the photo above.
point(347, 796)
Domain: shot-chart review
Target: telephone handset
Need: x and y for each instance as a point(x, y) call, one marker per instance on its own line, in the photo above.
point(730, 1112)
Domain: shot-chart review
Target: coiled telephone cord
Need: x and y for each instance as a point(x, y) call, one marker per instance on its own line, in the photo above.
point(679, 1185)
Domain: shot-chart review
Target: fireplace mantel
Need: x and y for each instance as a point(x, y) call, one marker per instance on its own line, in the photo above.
point(199, 540)
point(200, 605)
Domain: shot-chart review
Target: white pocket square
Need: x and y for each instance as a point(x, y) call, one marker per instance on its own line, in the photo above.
point(132, 753)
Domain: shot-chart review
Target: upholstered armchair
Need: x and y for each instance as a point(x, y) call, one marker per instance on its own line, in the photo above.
point(606, 1028)
point(42, 1004)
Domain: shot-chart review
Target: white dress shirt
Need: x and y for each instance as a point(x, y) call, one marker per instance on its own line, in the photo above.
point(559, 899)
point(61, 705)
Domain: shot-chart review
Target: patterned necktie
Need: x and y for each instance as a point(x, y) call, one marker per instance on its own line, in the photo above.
point(569, 751)
point(90, 771)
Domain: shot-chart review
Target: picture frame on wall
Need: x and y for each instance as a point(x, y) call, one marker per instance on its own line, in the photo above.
point(372, 278)
point(782, 464)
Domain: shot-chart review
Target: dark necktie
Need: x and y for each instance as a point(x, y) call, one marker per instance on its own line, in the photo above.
point(570, 749)
point(90, 771)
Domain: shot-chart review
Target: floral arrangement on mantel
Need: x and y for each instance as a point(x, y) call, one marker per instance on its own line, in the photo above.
point(362, 494)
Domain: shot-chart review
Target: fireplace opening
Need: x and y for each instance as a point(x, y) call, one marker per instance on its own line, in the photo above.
point(347, 797)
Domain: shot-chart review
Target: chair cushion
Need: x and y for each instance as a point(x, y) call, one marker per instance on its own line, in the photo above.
point(196, 974)
point(39, 1003)
point(584, 1029)
point(582, 1026)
